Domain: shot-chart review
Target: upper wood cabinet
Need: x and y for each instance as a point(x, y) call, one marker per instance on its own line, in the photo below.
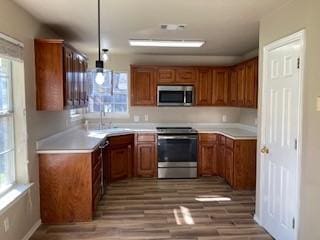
point(143, 86)
point(204, 87)
point(60, 76)
point(220, 81)
point(251, 83)
point(241, 76)
point(186, 75)
point(166, 75)
point(235, 86)
point(176, 75)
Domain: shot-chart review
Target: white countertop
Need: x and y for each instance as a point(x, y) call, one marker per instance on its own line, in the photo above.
point(79, 140)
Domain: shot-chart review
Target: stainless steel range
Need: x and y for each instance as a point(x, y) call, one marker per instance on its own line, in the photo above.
point(177, 152)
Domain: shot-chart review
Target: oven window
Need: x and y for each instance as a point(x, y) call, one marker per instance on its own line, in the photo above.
point(177, 150)
point(171, 96)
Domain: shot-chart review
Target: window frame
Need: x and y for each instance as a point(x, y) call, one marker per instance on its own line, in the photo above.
point(119, 115)
point(9, 113)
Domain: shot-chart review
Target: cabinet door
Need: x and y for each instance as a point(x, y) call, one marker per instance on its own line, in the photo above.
point(229, 166)
point(251, 83)
point(119, 162)
point(204, 87)
point(166, 75)
point(143, 86)
point(85, 83)
point(186, 75)
point(208, 159)
point(220, 78)
point(69, 77)
point(241, 75)
point(146, 160)
point(82, 84)
point(221, 157)
point(233, 88)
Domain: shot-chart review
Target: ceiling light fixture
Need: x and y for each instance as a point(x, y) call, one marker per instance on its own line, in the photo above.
point(99, 78)
point(165, 43)
point(105, 56)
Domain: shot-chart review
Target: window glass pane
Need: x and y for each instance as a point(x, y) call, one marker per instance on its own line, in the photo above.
point(100, 95)
point(6, 169)
point(5, 87)
point(6, 136)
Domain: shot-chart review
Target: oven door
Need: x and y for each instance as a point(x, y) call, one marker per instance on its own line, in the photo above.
point(177, 151)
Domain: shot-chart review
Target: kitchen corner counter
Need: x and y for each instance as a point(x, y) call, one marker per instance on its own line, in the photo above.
point(79, 140)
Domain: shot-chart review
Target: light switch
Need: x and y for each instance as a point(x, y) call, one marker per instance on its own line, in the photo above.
point(146, 117)
point(318, 104)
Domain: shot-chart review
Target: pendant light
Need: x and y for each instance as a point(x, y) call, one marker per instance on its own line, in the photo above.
point(99, 79)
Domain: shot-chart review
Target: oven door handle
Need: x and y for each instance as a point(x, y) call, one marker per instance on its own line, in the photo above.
point(177, 137)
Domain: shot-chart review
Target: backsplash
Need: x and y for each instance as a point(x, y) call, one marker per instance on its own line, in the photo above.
point(175, 115)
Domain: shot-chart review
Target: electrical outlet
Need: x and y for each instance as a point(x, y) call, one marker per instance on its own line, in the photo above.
point(6, 224)
point(136, 118)
point(224, 118)
point(318, 104)
point(146, 117)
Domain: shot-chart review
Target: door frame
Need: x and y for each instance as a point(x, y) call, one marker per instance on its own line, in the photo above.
point(298, 36)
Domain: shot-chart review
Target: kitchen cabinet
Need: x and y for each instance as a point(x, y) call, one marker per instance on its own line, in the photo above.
point(204, 87)
point(143, 86)
point(186, 75)
point(145, 155)
point(229, 160)
point(221, 165)
point(70, 186)
point(60, 75)
point(166, 75)
point(119, 160)
point(251, 83)
point(207, 155)
point(220, 81)
point(233, 88)
point(247, 78)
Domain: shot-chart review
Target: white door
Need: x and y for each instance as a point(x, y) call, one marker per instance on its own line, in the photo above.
point(279, 153)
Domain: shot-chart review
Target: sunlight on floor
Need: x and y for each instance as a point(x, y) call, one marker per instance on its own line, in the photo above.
point(186, 217)
point(212, 198)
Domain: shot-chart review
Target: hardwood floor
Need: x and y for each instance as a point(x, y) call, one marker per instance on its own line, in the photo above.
point(197, 209)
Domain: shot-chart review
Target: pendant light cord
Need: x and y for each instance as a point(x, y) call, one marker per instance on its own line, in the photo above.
point(99, 52)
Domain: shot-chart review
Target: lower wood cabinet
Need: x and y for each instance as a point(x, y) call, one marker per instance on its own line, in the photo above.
point(234, 160)
point(145, 155)
point(119, 159)
point(70, 186)
point(207, 155)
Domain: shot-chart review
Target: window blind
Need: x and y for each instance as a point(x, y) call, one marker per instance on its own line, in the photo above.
point(10, 47)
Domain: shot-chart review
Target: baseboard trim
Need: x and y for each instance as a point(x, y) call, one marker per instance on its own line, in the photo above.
point(32, 230)
point(257, 219)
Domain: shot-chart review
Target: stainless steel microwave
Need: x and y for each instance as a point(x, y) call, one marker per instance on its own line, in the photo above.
point(175, 95)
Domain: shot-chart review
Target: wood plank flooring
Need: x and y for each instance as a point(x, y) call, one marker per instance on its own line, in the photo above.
point(196, 209)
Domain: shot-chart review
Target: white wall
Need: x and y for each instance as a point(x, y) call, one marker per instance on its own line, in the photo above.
point(288, 19)
point(17, 23)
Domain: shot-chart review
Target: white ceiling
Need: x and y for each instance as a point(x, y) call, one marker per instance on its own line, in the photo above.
point(229, 27)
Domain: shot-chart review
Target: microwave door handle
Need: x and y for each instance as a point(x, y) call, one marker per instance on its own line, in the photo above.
point(185, 97)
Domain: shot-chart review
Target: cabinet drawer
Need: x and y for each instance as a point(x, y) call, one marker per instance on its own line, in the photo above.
point(208, 137)
point(146, 137)
point(229, 143)
point(119, 140)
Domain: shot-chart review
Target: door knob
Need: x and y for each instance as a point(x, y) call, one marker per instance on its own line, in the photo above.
point(265, 150)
